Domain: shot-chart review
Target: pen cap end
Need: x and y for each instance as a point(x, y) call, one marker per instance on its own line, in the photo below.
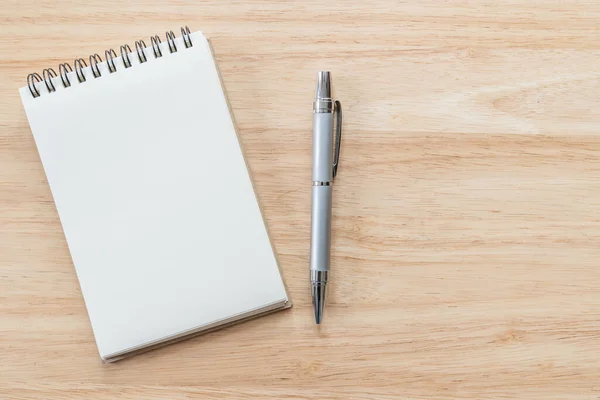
point(323, 85)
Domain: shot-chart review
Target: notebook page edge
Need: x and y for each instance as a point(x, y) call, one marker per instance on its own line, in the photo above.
point(198, 331)
point(262, 213)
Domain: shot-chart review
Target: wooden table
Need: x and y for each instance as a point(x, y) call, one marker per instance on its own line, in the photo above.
point(466, 213)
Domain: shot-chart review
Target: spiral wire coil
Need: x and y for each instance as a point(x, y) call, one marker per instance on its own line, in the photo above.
point(109, 55)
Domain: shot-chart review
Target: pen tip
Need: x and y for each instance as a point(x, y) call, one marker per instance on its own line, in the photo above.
point(318, 294)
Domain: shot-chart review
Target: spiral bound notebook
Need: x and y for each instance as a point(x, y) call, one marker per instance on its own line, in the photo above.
point(152, 190)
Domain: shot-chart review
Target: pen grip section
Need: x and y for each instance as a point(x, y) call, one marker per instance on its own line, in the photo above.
point(320, 243)
point(322, 147)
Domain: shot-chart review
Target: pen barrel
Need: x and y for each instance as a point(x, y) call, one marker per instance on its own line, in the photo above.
point(322, 147)
point(320, 243)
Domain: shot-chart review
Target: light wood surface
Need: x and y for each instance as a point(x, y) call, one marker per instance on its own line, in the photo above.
point(466, 211)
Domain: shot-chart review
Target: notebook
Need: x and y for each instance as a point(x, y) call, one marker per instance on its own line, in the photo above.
point(153, 193)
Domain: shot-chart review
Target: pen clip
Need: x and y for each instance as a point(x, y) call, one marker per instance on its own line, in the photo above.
point(338, 136)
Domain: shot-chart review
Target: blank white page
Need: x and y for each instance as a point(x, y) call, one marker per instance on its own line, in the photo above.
point(154, 197)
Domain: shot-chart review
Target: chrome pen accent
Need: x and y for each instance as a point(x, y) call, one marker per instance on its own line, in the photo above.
point(323, 102)
point(319, 290)
point(326, 153)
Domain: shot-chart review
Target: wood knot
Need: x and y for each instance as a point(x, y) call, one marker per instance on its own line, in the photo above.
point(511, 335)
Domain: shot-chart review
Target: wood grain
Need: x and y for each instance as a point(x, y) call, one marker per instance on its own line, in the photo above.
point(466, 211)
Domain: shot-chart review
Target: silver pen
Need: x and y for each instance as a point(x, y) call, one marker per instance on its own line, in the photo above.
point(325, 164)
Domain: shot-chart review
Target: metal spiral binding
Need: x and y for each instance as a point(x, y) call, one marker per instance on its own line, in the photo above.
point(63, 70)
point(79, 69)
point(30, 82)
point(155, 46)
point(94, 60)
point(48, 74)
point(125, 52)
point(140, 51)
point(109, 55)
point(110, 63)
point(185, 34)
point(171, 40)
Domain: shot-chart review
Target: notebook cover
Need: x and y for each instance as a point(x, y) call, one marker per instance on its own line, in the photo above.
point(155, 199)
